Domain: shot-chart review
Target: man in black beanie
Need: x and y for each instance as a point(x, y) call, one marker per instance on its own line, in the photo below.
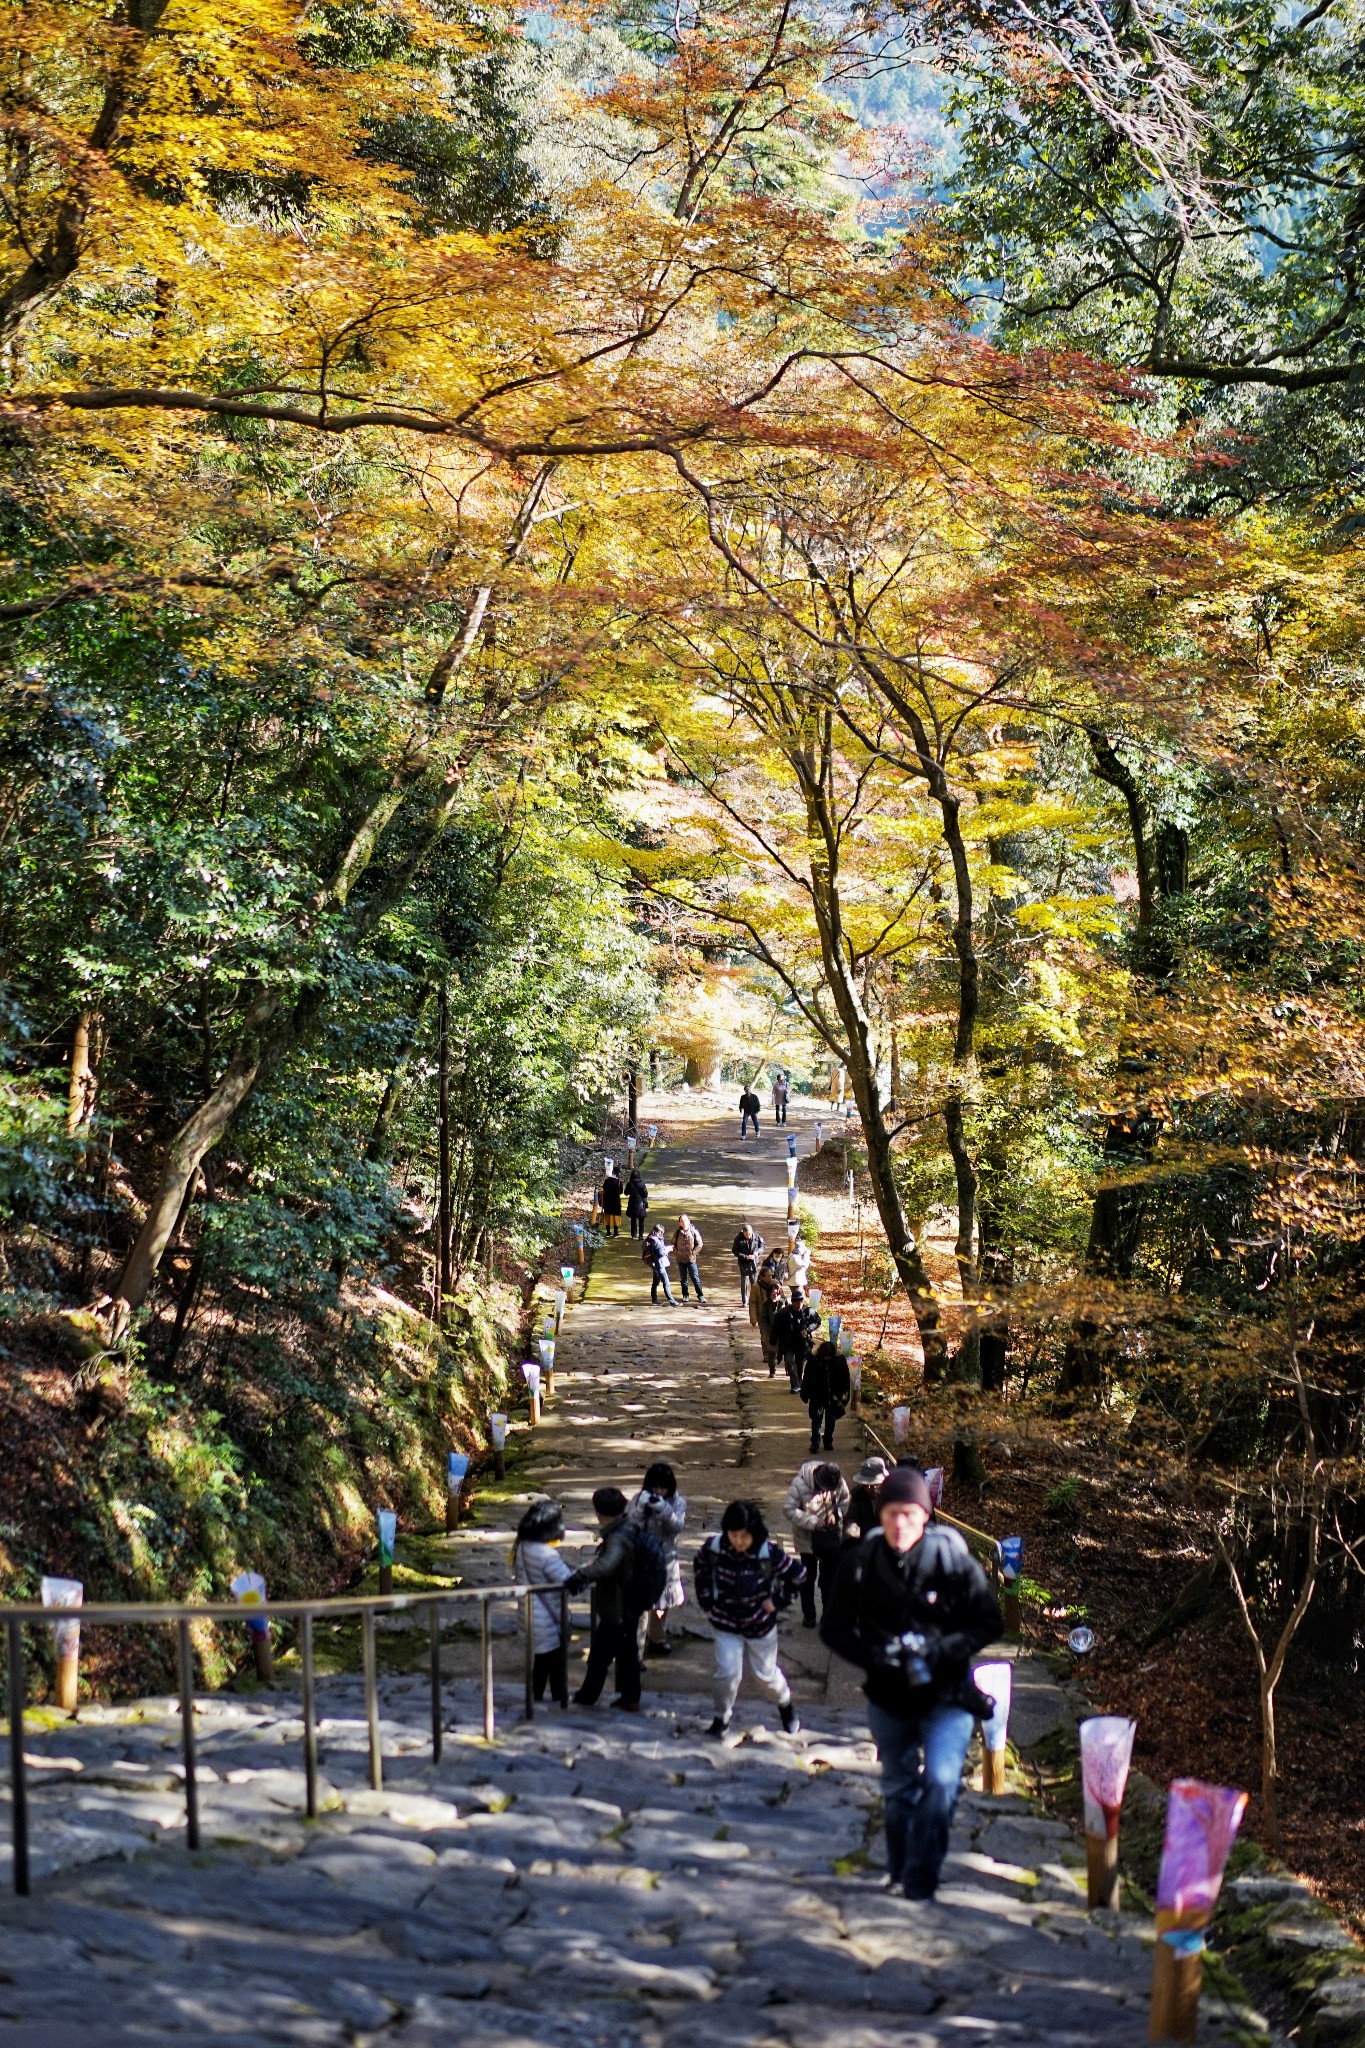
point(912, 1606)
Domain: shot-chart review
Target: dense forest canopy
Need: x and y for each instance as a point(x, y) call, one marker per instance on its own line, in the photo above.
point(540, 550)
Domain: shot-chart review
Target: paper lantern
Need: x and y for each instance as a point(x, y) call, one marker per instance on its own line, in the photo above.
point(561, 1302)
point(653, 1132)
point(933, 1479)
point(793, 1230)
point(248, 1590)
point(1106, 1753)
point(855, 1377)
point(791, 1145)
point(610, 1165)
point(792, 1165)
point(546, 1347)
point(1201, 1827)
point(900, 1424)
point(530, 1372)
point(995, 1681)
point(1011, 1558)
point(388, 1534)
point(457, 1470)
point(816, 1296)
point(566, 1275)
point(497, 1426)
point(836, 1323)
point(845, 1341)
point(66, 1635)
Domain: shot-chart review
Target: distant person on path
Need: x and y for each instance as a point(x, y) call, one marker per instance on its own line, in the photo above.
point(764, 1302)
point(816, 1503)
point(793, 1326)
point(687, 1243)
point(746, 1249)
point(662, 1510)
point(610, 1203)
point(781, 1091)
point(743, 1579)
point(618, 1601)
point(912, 1606)
point(749, 1106)
point(637, 1202)
point(826, 1388)
point(864, 1500)
point(656, 1256)
point(536, 1562)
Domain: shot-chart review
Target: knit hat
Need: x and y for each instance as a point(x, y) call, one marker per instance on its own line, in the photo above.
point(871, 1472)
point(906, 1487)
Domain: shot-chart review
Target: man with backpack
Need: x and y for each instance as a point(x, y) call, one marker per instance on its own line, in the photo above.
point(743, 1580)
point(628, 1576)
point(912, 1606)
point(749, 1106)
point(655, 1254)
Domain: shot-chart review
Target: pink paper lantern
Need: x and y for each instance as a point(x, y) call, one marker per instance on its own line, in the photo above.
point(1106, 1753)
point(933, 1479)
point(1201, 1826)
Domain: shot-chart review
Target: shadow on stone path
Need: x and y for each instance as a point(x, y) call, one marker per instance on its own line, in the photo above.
point(587, 1879)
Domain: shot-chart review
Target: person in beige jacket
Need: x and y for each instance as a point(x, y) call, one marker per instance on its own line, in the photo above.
point(687, 1242)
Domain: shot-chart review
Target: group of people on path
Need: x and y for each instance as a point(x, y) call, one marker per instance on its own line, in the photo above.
point(635, 1196)
point(902, 1598)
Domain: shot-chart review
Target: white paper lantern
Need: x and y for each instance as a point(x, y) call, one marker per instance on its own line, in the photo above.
point(995, 1681)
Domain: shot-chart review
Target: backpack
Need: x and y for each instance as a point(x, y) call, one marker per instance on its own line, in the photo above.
point(648, 1571)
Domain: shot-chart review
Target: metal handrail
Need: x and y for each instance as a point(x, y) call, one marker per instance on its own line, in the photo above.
point(367, 1605)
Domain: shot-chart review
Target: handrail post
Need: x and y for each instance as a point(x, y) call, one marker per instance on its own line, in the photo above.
point(564, 1646)
point(434, 1621)
point(486, 1667)
point(186, 1658)
point(530, 1659)
point(372, 1699)
point(17, 1786)
point(310, 1718)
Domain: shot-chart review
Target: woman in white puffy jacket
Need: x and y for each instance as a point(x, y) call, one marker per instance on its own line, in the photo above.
point(536, 1562)
point(660, 1508)
point(816, 1504)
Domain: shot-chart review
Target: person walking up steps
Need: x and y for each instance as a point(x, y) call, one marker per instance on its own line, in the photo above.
point(764, 1302)
point(627, 1576)
point(816, 1504)
point(744, 1578)
point(912, 1606)
point(781, 1090)
point(662, 1510)
point(637, 1202)
point(536, 1562)
point(864, 1500)
point(745, 1250)
point(749, 1106)
point(825, 1388)
point(610, 1203)
point(656, 1255)
point(792, 1327)
point(687, 1243)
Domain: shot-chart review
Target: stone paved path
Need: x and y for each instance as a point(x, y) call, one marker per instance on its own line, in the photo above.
point(587, 1879)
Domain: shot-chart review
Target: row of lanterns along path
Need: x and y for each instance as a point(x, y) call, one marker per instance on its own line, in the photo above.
point(1201, 1820)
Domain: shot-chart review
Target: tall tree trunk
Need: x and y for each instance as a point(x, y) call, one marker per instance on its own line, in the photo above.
point(82, 1084)
point(966, 1365)
point(444, 1207)
point(632, 1096)
point(858, 1056)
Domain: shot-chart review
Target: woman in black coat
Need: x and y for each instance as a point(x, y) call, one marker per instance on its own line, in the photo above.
point(637, 1203)
point(825, 1389)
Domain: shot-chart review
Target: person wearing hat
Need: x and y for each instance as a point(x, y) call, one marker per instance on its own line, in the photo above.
point(912, 1607)
point(864, 1499)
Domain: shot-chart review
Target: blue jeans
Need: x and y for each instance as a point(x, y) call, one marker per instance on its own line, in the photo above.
point(745, 1121)
point(921, 1764)
point(661, 1280)
point(687, 1270)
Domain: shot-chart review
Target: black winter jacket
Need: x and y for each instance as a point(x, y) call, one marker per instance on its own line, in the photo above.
point(792, 1329)
point(747, 1249)
point(825, 1383)
point(732, 1585)
point(610, 1573)
point(637, 1196)
point(937, 1591)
